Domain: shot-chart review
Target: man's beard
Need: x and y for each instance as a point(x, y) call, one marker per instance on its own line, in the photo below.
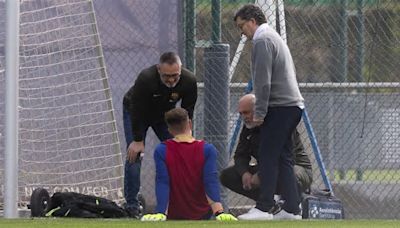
point(249, 125)
point(169, 85)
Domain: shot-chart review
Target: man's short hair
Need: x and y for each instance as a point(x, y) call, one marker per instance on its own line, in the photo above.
point(251, 11)
point(176, 119)
point(170, 58)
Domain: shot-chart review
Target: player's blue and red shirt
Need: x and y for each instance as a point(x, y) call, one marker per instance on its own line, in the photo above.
point(186, 174)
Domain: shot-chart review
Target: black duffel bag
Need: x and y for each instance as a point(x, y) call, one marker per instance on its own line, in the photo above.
point(71, 204)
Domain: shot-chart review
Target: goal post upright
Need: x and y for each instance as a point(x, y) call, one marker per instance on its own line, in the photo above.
point(11, 117)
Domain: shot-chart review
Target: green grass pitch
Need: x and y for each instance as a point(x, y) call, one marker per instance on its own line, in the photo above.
point(122, 223)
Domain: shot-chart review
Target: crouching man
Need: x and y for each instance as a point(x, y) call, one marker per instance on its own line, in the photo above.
point(243, 178)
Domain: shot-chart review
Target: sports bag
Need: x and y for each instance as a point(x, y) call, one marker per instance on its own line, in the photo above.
point(71, 204)
point(322, 204)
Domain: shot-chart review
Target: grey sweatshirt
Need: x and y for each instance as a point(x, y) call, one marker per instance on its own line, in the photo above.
point(273, 72)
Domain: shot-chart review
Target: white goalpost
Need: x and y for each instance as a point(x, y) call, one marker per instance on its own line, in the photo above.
point(67, 138)
point(11, 108)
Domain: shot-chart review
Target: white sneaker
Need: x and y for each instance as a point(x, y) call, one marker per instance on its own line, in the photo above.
point(284, 215)
point(256, 214)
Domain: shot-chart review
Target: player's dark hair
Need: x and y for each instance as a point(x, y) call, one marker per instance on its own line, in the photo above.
point(249, 11)
point(170, 58)
point(176, 118)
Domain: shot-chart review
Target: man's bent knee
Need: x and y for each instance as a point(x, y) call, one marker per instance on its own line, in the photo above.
point(303, 177)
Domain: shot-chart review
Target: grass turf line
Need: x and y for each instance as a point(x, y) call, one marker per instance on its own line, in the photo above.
point(122, 223)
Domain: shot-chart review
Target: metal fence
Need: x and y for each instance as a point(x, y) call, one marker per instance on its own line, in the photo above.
point(346, 53)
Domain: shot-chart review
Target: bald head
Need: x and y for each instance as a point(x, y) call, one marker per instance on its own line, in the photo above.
point(248, 99)
point(246, 109)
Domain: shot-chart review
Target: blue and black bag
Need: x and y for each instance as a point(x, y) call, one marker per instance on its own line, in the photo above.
point(322, 204)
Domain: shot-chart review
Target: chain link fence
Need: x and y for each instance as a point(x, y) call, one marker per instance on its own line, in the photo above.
point(346, 53)
point(134, 34)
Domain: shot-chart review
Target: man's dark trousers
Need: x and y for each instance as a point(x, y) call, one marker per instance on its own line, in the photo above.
point(132, 169)
point(276, 158)
point(231, 179)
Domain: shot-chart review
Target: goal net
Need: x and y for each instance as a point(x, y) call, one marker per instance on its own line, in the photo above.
point(67, 131)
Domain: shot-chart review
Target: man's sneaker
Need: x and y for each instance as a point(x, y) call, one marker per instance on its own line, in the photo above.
point(284, 215)
point(256, 214)
point(277, 207)
point(131, 211)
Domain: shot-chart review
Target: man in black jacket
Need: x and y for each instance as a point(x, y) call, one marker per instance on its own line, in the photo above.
point(243, 177)
point(157, 90)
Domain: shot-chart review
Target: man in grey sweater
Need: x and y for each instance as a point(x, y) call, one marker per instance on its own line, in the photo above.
point(278, 110)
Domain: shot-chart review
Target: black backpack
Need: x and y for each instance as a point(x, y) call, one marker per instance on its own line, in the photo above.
point(71, 204)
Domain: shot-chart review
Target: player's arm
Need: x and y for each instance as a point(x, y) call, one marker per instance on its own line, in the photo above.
point(210, 178)
point(162, 186)
point(211, 184)
point(242, 155)
point(190, 97)
point(162, 179)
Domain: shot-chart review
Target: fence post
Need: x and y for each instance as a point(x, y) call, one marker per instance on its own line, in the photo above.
point(216, 102)
point(359, 23)
point(216, 21)
point(342, 41)
point(216, 93)
point(190, 34)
